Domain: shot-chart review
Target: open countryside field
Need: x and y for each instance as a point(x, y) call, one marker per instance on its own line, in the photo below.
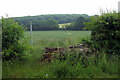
point(58, 35)
point(41, 39)
point(31, 67)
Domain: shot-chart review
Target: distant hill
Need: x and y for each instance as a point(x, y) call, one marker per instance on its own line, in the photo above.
point(61, 18)
point(48, 21)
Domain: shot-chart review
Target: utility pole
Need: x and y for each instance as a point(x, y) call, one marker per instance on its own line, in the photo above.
point(31, 41)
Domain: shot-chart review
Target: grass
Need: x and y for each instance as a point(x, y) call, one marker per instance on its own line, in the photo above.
point(59, 35)
point(0, 69)
point(72, 67)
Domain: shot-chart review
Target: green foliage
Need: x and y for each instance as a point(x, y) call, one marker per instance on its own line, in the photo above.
point(91, 67)
point(105, 32)
point(78, 24)
point(0, 37)
point(48, 22)
point(12, 35)
point(45, 25)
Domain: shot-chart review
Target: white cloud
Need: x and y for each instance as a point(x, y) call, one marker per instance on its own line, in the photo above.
point(37, 7)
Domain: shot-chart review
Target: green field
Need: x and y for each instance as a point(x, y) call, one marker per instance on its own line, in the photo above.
point(41, 39)
point(53, 38)
point(59, 35)
point(31, 67)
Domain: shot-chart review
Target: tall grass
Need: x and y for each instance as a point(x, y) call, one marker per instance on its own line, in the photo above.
point(0, 69)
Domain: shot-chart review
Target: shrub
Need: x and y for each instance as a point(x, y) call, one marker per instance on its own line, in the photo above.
point(12, 36)
point(105, 32)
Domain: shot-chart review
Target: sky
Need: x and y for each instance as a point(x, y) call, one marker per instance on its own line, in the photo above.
point(18, 8)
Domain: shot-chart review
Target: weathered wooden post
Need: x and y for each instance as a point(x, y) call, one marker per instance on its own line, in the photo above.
point(31, 41)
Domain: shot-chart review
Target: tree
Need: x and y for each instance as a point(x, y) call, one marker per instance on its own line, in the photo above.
point(12, 33)
point(60, 18)
point(78, 24)
point(45, 25)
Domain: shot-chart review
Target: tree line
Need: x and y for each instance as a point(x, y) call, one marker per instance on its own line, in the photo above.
point(51, 21)
point(78, 24)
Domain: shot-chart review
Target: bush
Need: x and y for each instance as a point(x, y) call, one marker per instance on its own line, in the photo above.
point(105, 32)
point(12, 36)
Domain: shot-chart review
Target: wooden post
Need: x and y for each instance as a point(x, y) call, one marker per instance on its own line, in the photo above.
point(31, 41)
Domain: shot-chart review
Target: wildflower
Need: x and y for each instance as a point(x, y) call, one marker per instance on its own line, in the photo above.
point(46, 74)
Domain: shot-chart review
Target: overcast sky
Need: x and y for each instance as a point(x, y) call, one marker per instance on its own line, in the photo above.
point(16, 8)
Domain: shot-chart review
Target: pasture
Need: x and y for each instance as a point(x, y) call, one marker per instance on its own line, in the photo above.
point(58, 35)
point(31, 67)
point(42, 39)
